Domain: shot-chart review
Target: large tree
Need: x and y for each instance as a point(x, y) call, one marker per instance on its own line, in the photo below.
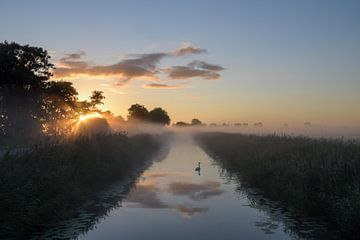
point(24, 71)
point(159, 115)
point(31, 104)
point(138, 112)
point(60, 104)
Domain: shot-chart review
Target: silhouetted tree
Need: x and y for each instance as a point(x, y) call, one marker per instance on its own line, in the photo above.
point(196, 122)
point(181, 124)
point(30, 103)
point(96, 99)
point(24, 71)
point(159, 115)
point(138, 112)
point(119, 118)
point(59, 104)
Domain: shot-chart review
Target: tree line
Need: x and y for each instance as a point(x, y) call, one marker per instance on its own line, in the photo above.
point(31, 104)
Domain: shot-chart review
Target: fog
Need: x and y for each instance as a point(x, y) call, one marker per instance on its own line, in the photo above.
point(309, 131)
point(314, 131)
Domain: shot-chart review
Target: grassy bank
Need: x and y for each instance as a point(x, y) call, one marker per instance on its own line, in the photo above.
point(317, 177)
point(45, 184)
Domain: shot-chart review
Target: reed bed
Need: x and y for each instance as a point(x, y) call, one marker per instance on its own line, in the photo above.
point(46, 183)
point(316, 177)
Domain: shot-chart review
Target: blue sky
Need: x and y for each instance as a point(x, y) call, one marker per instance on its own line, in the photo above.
point(290, 61)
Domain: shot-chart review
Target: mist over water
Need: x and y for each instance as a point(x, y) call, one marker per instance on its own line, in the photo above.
point(345, 132)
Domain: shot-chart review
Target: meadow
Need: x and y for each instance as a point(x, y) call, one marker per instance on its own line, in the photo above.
point(46, 183)
point(314, 177)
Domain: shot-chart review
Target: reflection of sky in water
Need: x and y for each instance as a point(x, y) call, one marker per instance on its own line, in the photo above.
point(171, 201)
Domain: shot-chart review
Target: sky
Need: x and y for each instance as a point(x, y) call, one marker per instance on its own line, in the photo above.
point(220, 61)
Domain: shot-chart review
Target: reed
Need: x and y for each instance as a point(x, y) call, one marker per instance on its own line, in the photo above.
point(317, 177)
point(46, 183)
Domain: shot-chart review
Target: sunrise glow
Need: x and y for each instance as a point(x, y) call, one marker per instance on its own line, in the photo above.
point(86, 117)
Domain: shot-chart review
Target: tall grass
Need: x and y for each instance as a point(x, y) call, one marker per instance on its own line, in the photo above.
point(43, 185)
point(318, 177)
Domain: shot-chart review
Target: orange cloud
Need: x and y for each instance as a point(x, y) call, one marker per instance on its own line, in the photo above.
point(163, 86)
point(189, 211)
point(196, 191)
point(138, 66)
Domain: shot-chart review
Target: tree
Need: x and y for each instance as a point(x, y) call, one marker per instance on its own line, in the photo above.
point(196, 122)
point(24, 71)
point(159, 115)
point(59, 105)
point(138, 112)
point(96, 98)
point(181, 124)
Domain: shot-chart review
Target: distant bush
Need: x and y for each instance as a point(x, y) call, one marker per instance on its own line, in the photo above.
point(93, 126)
point(319, 177)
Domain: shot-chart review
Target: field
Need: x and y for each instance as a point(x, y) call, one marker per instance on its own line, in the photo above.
point(316, 177)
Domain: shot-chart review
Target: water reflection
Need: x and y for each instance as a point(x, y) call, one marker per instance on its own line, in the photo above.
point(195, 191)
point(95, 210)
point(146, 195)
point(171, 201)
point(90, 214)
point(198, 169)
point(275, 214)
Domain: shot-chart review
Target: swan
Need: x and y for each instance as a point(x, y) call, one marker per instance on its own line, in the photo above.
point(198, 168)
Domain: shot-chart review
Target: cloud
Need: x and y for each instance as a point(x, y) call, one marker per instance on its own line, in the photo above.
point(196, 191)
point(141, 66)
point(138, 66)
point(157, 175)
point(189, 211)
point(185, 72)
point(163, 86)
point(194, 69)
point(73, 56)
point(188, 49)
point(205, 65)
point(146, 196)
point(72, 60)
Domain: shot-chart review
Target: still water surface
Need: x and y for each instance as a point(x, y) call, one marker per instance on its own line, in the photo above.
point(172, 201)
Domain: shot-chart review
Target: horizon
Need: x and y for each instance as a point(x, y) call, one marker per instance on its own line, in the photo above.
point(271, 63)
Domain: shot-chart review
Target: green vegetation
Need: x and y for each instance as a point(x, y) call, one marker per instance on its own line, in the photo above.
point(44, 184)
point(317, 177)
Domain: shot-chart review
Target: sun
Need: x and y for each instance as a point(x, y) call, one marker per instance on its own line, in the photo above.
point(86, 117)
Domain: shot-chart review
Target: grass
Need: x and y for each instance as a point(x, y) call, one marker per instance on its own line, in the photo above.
point(45, 184)
point(317, 177)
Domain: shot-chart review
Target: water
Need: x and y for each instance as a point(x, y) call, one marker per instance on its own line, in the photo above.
point(172, 201)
